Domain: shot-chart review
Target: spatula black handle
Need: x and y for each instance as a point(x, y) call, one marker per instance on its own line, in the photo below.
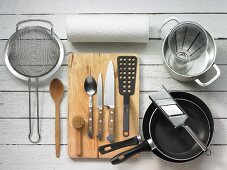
point(121, 157)
point(126, 116)
point(119, 145)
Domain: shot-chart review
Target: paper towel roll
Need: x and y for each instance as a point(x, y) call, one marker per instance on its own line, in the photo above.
point(107, 28)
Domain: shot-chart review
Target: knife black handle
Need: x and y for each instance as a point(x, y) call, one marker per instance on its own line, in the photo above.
point(126, 116)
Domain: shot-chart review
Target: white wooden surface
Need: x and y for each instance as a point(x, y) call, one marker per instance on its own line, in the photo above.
point(16, 152)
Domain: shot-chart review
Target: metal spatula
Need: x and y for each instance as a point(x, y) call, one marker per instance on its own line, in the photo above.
point(177, 116)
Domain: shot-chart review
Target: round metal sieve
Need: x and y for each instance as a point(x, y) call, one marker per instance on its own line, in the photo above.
point(33, 52)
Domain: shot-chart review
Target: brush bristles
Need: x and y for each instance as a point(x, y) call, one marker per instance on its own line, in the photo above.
point(78, 122)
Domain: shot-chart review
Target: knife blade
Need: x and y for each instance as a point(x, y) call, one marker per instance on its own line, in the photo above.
point(99, 106)
point(109, 99)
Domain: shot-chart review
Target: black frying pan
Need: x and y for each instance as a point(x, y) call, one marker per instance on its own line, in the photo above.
point(163, 139)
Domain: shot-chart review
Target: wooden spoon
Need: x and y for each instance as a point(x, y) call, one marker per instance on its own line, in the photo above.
point(56, 92)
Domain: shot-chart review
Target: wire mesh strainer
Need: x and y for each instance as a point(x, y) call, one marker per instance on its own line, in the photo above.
point(33, 52)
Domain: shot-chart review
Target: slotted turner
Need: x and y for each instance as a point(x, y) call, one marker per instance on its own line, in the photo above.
point(126, 77)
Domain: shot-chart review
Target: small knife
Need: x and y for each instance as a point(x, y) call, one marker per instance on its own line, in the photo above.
point(99, 105)
point(109, 99)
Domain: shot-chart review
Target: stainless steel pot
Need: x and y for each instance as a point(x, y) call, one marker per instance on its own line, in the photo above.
point(189, 51)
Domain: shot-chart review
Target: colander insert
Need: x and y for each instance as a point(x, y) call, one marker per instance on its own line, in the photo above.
point(187, 42)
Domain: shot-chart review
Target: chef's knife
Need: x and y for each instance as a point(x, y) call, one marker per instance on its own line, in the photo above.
point(99, 105)
point(109, 99)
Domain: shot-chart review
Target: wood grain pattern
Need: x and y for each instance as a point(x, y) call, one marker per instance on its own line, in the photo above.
point(79, 67)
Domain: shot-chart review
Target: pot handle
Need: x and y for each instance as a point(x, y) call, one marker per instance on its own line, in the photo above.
point(121, 157)
point(218, 72)
point(35, 20)
point(162, 36)
point(118, 145)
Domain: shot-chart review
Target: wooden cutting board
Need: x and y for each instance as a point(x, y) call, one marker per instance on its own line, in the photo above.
point(81, 65)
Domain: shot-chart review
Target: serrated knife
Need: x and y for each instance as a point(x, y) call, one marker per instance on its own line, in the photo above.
point(99, 106)
point(109, 99)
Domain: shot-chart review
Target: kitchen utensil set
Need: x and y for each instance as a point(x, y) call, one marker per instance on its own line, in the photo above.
point(127, 75)
point(177, 126)
point(90, 87)
point(105, 73)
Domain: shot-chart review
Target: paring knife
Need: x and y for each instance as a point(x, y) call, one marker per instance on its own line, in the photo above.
point(99, 105)
point(109, 99)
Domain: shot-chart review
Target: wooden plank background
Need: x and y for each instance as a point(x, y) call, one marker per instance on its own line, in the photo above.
point(16, 150)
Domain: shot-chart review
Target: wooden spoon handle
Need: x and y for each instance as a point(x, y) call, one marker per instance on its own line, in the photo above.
point(78, 142)
point(57, 129)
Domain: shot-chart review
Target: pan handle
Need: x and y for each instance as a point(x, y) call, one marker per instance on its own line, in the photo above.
point(218, 72)
point(118, 145)
point(121, 157)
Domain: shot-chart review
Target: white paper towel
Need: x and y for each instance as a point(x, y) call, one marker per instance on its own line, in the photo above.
point(107, 28)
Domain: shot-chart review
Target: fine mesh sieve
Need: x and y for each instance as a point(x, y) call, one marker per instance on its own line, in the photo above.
point(34, 52)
